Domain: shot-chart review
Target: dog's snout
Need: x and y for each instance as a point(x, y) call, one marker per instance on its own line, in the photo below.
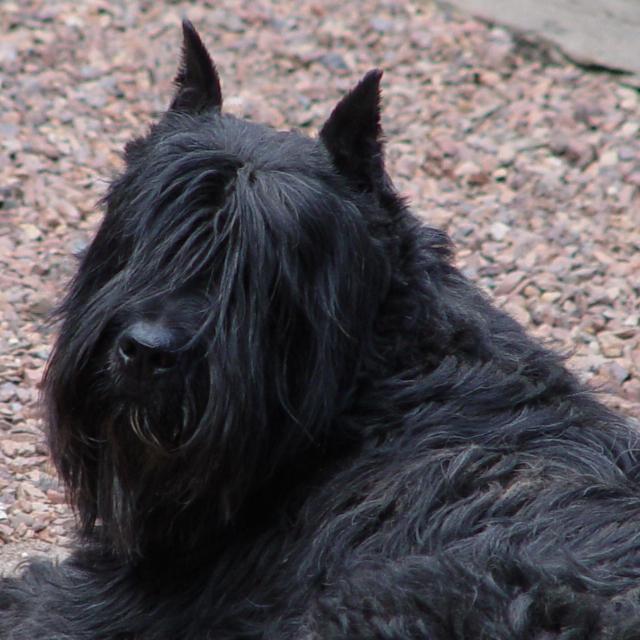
point(146, 349)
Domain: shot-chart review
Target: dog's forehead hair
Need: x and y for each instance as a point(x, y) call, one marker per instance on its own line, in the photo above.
point(200, 186)
point(250, 143)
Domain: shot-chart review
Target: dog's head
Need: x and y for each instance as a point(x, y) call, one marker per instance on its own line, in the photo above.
point(218, 319)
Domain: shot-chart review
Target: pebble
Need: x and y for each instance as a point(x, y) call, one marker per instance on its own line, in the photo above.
point(499, 231)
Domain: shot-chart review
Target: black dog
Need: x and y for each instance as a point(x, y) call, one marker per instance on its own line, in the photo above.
point(281, 413)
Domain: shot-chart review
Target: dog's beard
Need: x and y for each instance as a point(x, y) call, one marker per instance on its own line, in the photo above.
point(162, 415)
point(135, 465)
point(140, 449)
point(164, 440)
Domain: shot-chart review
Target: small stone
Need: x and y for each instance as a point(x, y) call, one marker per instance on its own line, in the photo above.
point(19, 518)
point(628, 153)
point(618, 372)
point(478, 178)
point(8, 391)
point(381, 25)
point(574, 151)
point(500, 174)
point(56, 497)
point(609, 158)
point(518, 312)
point(506, 154)
point(40, 306)
point(31, 231)
point(509, 283)
point(626, 333)
point(631, 389)
point(13, 448)
point(609, 345)
point(629, 129)
point(334, 62)
point(550, 296)
point(499, 231)
point(467, 168)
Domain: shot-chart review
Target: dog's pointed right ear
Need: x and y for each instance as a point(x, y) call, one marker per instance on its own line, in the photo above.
point(353, 135)
point(197, 82)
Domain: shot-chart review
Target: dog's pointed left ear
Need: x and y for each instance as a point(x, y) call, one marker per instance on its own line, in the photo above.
point(197, 82)
point(353, 135)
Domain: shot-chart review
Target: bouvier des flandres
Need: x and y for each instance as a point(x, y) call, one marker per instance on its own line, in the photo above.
point(282, 413)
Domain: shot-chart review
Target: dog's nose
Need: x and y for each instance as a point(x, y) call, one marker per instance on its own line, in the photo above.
point(146, 349)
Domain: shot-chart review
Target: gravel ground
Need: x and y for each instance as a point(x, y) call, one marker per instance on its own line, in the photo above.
point(533, 165)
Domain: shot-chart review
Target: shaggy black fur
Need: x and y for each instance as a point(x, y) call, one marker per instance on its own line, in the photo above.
point(282, 413)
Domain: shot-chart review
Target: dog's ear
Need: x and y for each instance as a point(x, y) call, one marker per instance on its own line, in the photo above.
point(197, 81)
point(353, 135)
